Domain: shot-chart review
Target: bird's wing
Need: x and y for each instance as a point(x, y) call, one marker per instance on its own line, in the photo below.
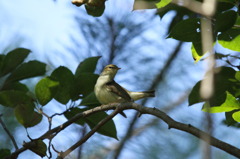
point(118, 90)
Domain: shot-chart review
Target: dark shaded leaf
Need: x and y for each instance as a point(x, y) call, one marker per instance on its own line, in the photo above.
point(12, 60)
point(85, 83)
point(187, 30)
point(39, 148)
point(87, 66)
point(95, 11)
point(90, 100)
point(28, 70)
point(225, 21)
point(24, 113)
point(27, 116)
point(17, 86)
point(13, 98)
point(4, 153)
point(223, 6)
point(72, 113)
point(66, 85)
point(107, 129)
point(45, 90)
point(229, 118)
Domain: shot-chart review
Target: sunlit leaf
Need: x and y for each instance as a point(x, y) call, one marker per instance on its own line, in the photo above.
point(163, 3)
point(66, 85)
point(230, 104)
point(45, 90)
point(196, 49)
point(230, 39)
point(12, 60)
point(237, 75)
point(236, 116)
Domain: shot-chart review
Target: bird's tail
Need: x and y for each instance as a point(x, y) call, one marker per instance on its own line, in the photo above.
point(139, 95)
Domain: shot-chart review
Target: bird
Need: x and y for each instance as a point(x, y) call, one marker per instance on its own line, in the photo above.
point(108, 91)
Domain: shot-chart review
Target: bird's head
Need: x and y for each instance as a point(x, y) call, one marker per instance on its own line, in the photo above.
point(110, 70)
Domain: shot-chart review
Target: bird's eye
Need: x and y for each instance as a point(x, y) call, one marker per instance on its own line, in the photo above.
point(110, 67)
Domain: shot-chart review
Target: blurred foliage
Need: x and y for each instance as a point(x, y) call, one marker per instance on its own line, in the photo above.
point(225, 22)
point(62, 85)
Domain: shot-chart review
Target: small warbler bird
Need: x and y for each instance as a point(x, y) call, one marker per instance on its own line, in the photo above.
point(108, 91)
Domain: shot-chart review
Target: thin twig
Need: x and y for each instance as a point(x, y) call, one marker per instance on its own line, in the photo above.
point(90, 133)
point(8, 132)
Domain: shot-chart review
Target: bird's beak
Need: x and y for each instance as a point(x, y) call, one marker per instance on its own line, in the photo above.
point(118, 68)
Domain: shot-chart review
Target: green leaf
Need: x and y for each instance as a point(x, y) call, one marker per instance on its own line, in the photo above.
point(222, 84)
point(13, 59)
point(236, 116)
point(45, 90)
point(16, 86)
point(230, 104)
point(163, 3)
point(39, 148)
point(24, 114)
point(87, 66)
point(224, 5)
point(225, 21)
point(90, 100)
point(237, 75)
point(72, 113)
point(95, 11)
point(107, 129)
point(197, 51)
point(85, 83)
point(230, 39)
point(28, 70)
point(66, 85)
point(229, 118)
point(187, 30)
point(4, 153)
point(13, 98)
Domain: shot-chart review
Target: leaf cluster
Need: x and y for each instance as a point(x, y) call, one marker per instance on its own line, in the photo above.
point(61, 85)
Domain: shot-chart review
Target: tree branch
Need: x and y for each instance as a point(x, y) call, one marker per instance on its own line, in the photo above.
point(90, 133)
point(8, 132)
point(143, 110)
